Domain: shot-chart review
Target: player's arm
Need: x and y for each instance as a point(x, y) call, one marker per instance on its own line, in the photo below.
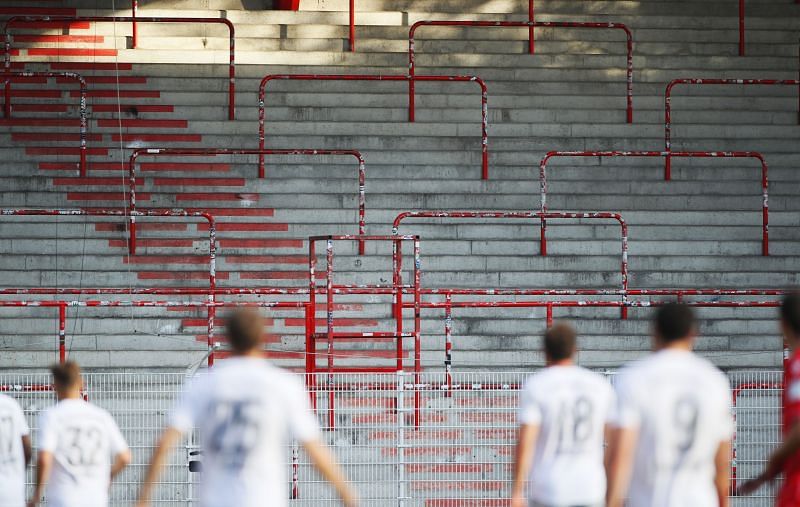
point(27, 449)
point(722, 475)
point(169, 438)
point(121, 460)
point(323, 460)
point(43, 467)
point(526, 447)
point(621, 448)
point(790, 446)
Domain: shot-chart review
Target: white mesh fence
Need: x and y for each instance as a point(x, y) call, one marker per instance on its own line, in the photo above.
point(402, 441)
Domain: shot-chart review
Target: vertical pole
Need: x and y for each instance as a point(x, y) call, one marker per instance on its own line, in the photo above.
point(484, 131)
point(417, 334)
point(362, 203)
point(232, 76)
point(329, 308)
point(668, 132)
point(531, 40)
point(629, 112)
point(261, 119)
point(83, 168)
point(397, 266)
point(212, 282)
point(764, 210)
point(412, 89)
point(295, 469)
point(132, 204)
point(543, 236)
point(134, 31)
point(741, 28)
point(448, 343)
point(624, 269)
point(798, 79)
point(7, 65)
point(311, 321)
point(549, 314)
point(401, 467)
point(62, 333)
point(352, 26)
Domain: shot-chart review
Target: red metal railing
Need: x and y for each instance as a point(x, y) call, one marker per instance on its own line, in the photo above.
point(693, 81)
point(517, 24)
point(8, 77)
point(212, 245)
point(171, 152)
point(667, 176)
point(133, 19)
point(396, 289)
point(348, 77)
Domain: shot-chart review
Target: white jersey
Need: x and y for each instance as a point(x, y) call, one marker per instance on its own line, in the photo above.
point(571, 405)
point(83, 439)
point(680, 404)
point(245, 410)
point(12, 456)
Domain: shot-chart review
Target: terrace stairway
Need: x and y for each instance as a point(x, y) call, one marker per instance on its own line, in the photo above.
point(699, 230)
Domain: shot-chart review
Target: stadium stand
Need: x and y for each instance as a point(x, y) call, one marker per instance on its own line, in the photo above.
point(487, 287)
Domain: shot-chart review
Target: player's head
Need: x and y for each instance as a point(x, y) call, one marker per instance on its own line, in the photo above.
point(245, 331)
point(790, 319)
point(560, 343)
point(67, 379)
point(674, 323)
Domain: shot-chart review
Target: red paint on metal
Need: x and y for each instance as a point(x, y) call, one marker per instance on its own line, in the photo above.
point(9, 76)
point(380, 77)
point(517, 24)
point(667, 154)
point(171, 152)
point(133, 20)
point(715, 82)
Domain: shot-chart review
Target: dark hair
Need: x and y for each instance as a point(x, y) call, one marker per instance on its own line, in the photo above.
point(245, 330)
point(66, 375)
point(559, 341)
point(674, 321)
point(790, 312)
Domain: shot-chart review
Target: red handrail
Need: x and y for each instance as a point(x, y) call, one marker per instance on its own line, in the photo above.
point(694, 81)
point(541, 216)
point(212, 253)
point(683, 154)
point(530, 24)
point(132, 19)
point(381, 77)
point(8, 77)
point(170, 152)
point(397, 289)
point(134, 30)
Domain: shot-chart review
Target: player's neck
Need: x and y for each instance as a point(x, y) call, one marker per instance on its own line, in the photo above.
point(562, 362)
point(71, 394)
point(253, 354)
point(680, 346)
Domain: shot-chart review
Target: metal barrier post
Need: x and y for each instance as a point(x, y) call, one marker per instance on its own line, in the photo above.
point(531, 39)
point(62, 333)
point(401, 443)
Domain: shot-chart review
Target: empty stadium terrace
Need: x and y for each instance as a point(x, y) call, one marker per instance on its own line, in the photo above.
point(422, 190)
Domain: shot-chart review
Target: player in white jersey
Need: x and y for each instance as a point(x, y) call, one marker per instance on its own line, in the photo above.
point(15, 452)
point(80, 447)
point(563, 416)
point(672, 442)
point(244, 410)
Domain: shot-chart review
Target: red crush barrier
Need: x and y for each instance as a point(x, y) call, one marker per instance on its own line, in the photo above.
point(381, 77)
point(168, 152)
point(133, 19)
point(667, 176)
point(212, 258)
point(8, 77)
point(516, 24)
point(692, 81)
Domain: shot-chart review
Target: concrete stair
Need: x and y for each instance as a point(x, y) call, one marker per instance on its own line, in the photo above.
point(700, 230)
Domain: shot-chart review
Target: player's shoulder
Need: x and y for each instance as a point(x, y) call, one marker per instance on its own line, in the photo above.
point(7, 401)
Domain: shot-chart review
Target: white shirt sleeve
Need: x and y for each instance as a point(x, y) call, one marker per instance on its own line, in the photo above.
point(117, 443)
point(184, 414)
point(627, 413)
point(48, 437)
point(303, 424)
point(726, 424)
point(530, 412)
